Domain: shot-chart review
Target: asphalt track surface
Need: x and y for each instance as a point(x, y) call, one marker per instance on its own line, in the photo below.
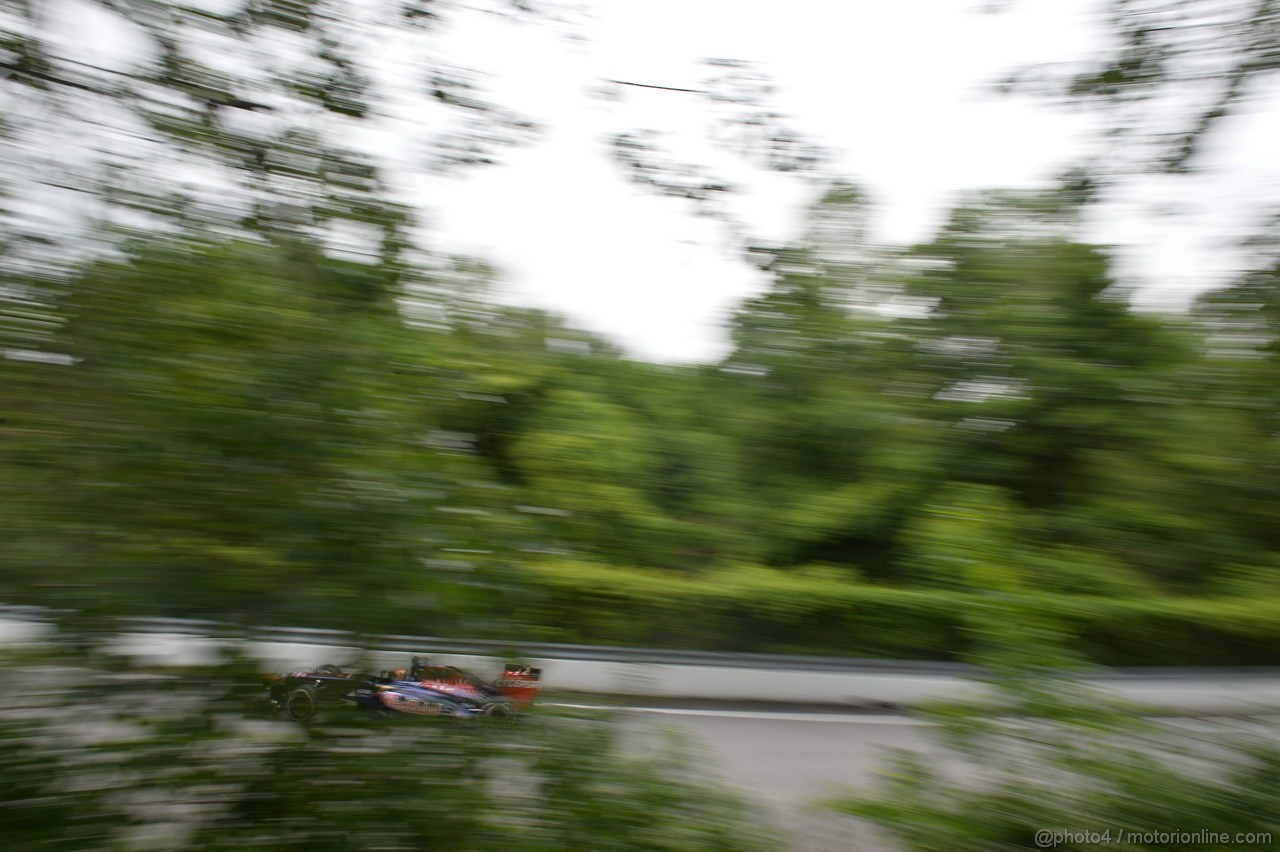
point(786, 762)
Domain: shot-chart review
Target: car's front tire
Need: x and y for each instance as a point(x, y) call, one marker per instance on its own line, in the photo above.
point(301, 703)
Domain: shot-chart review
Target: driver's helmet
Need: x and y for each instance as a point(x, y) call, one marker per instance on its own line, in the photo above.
point(418, 665)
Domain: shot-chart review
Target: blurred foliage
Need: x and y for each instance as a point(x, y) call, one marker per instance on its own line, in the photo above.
point(249, 431)
point(234, 430)
point(1064, 765)
point(258, 431)
point(1075, 782)
point(1169, 74)
point(97, 753)
point(255, 116)
point(754, 609)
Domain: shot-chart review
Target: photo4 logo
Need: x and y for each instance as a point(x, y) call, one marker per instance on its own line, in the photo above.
point(1050, 838)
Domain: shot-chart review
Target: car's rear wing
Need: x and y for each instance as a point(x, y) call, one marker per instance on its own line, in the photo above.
point(519, 683)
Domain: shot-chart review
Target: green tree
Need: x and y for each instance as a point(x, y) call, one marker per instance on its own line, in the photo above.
point(590, 459)
point(235, 432)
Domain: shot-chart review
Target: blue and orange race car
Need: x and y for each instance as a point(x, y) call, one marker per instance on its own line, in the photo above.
point(422, 689)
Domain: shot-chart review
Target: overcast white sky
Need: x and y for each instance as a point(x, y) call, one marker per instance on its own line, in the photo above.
point(895, 88)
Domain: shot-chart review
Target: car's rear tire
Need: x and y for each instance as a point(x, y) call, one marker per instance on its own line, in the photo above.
point(301, 703)
point(329, 670)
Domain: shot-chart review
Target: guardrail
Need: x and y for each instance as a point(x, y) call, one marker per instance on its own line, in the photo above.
point(658, 674)
point(656, 656)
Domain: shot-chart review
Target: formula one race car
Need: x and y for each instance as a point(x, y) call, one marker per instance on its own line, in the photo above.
point(421, 689)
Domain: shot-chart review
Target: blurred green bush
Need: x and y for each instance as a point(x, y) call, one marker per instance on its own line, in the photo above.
point(98, 754)
point(1066, 766)
point(754, 609)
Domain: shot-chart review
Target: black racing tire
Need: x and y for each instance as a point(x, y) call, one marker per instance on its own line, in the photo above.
point(301, 703)
point(498, 714)
point(329, 670)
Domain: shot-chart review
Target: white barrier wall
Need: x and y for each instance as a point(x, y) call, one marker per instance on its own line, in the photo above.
point(1232, 694)
point(1206, 694)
